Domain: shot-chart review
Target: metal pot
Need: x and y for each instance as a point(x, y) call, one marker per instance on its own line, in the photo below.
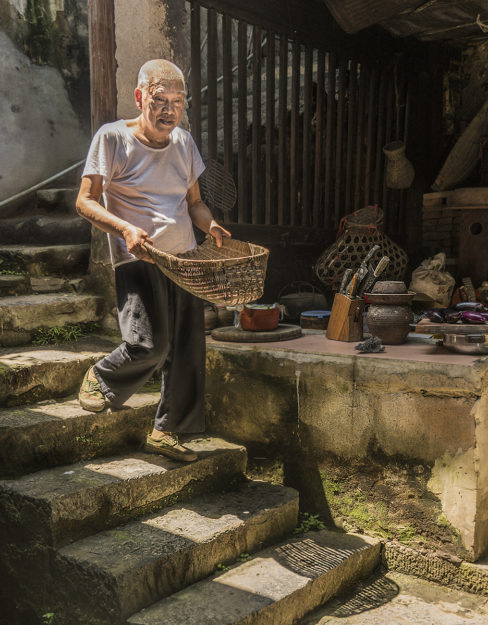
point(467, 343)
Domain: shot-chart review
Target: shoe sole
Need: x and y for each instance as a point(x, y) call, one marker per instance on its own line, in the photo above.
point(167, 451)
point(90, 408)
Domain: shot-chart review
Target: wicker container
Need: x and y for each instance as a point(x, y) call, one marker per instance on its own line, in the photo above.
point(228, 275)
point(399, 170)
point(463, 157)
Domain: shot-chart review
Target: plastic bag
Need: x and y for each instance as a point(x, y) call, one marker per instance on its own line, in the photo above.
point(431, 278)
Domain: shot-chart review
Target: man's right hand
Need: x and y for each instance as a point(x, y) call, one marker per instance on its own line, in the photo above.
point(134, 239)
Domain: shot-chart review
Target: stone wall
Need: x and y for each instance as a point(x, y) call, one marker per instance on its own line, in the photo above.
point(44, 88)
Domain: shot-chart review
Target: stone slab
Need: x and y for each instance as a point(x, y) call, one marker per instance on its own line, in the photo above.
point(52, 433)
point(59, 260)
point(45, 230)
point(396, 599)
point(13, 284)
point(78, 499)
point(25, 313)
point(120, 571)
point(442, 569)
point(32, 374)
point(57, 200)
point(279, 585)
point(50, 284)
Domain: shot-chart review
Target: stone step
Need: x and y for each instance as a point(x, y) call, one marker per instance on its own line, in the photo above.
point(136, 564)
point(57, 200)
point(51, 433)
point(22, 315)
point(14, 284)
point(276, 587)
point(45, 230)
point(77, 500)
point(32, 374)
point(58, 260)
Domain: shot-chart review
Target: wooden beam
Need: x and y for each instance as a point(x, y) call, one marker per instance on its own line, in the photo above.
point(103, 89)
point(309, 22)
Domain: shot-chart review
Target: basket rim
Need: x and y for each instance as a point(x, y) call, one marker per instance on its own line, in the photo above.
point(261, 251)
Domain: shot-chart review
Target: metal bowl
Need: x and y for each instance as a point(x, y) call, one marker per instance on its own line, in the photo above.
point(390, 287)
point(467, 343)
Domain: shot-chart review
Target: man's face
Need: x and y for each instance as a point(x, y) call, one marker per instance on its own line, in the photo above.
point(162, 105)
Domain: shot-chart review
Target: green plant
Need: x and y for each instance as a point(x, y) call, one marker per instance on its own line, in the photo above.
point(63, 334)
point(48, 618)
point(221, 568)
point(244, 557)
point(309, 522)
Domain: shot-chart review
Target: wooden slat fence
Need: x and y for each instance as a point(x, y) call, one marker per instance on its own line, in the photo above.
point(300, 128)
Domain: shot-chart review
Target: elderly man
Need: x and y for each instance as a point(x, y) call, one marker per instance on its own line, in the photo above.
point(147, 170)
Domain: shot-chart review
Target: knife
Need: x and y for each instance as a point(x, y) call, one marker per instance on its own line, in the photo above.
point(371, 279)
point(351, 291)
point(344, 280)
point(363, 267)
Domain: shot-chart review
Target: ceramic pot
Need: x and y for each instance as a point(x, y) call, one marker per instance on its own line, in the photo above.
point(389, 317)
point(399, 170)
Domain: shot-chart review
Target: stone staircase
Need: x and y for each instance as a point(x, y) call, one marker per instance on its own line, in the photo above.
point(44, 252)
point(95, 532)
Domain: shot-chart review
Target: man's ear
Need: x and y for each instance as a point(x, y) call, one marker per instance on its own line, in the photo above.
point(138, 96)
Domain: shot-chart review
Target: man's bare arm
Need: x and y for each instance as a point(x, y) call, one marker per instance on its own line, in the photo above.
point(202, 217)
point(88, 206)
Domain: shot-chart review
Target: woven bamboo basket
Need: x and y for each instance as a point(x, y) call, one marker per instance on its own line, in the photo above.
point(228, 275)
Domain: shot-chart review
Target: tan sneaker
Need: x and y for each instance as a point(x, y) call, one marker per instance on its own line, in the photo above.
point(169, 446)
point(90, 396)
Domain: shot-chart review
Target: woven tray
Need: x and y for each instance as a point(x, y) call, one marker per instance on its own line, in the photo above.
point(228, 275)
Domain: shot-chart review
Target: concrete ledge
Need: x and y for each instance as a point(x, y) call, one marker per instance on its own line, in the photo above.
point(416, 403)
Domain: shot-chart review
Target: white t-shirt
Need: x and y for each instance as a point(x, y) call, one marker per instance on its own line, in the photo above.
point(146, 186)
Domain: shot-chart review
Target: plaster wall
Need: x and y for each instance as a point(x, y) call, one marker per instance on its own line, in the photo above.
point(40, 132)
point(44, 90)
point(158, 29)
point(413, 412)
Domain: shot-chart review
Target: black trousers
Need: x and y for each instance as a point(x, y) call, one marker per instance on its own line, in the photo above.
point(162, 326)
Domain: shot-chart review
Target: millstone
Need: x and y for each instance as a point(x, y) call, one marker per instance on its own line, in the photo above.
point(283, 332)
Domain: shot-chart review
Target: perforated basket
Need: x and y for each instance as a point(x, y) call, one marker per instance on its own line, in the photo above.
point(228, 275)
point(359, 232)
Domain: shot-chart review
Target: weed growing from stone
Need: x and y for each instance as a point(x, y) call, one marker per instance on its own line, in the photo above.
point(309, 522)
point(63, 334)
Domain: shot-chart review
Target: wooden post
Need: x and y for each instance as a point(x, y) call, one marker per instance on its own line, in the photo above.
point(103, 100)
point(101, 36)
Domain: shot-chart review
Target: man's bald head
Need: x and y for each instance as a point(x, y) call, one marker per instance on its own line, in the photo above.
point(160, 72)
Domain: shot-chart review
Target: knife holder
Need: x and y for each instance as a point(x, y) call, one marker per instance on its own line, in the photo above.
point(346, 319)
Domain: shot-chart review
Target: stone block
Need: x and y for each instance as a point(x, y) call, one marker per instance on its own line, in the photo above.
point(78, 499)
point(29, 375)
point(279, 585)
point(115, 573)
point(53, 433)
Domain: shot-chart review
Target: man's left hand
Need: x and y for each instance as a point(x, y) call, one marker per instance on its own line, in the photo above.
point(218, 232)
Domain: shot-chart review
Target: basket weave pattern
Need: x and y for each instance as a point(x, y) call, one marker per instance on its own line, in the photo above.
point(228, 275)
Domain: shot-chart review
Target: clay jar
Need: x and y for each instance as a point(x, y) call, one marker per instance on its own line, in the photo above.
point(390, 312)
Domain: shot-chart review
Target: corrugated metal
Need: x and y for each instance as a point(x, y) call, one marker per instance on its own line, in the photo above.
point(354, 15)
